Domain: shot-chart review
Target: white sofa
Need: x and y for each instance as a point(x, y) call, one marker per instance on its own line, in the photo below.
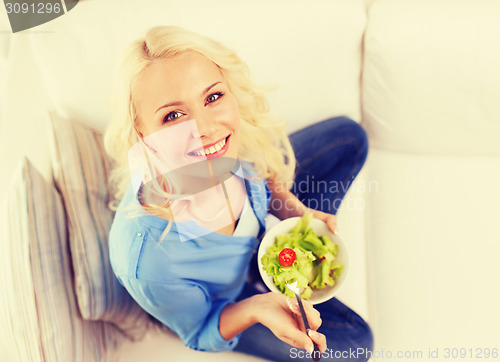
point(422, 77)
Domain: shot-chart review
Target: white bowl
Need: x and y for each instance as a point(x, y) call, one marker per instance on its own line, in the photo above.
point(320, 228)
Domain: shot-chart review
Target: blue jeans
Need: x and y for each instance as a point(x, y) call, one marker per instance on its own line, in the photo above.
point(329, 154)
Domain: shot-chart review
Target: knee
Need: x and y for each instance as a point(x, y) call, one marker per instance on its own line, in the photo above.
point(366, 341)
point(345, 128)
point(349, 332)
point(357, 132)
point(361, 341)
point(348, 128)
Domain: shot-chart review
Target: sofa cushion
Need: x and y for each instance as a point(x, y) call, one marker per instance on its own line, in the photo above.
point(433, 246)
point(430, 79)
point(40, 315)
point(80, 168)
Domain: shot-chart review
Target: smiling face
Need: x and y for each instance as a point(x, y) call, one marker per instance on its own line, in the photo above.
point(187, 100)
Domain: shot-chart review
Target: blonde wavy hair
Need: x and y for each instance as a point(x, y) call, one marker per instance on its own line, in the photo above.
point(263, 140)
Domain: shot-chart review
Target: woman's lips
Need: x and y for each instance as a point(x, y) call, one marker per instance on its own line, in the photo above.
point(212, 150)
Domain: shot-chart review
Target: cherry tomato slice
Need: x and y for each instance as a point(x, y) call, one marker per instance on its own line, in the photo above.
point(287, 257)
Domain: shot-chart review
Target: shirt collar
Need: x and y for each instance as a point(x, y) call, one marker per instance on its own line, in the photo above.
point(256, 187)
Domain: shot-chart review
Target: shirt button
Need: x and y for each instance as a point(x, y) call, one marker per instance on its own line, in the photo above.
point(139, 234)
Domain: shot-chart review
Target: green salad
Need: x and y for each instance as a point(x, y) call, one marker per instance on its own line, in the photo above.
point(302, 256)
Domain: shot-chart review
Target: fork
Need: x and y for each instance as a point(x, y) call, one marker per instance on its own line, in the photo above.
point(316, 355)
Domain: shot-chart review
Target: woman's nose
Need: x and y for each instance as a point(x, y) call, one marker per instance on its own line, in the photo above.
point(206, 127)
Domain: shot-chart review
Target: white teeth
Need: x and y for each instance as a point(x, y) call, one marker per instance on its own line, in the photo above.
point(211, 149)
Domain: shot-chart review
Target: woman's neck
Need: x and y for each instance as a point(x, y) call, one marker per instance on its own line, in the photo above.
point(216, 208)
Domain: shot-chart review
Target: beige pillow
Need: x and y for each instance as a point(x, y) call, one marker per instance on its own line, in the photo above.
point(39, 310)
point(81, 169)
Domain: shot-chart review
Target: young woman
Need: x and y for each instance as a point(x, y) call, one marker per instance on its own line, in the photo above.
point(199, 164)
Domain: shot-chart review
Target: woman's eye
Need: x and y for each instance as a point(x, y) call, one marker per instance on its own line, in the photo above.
point(213, 97)
point(172, 116)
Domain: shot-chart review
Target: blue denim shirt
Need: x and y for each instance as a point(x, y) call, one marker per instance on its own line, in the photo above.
point(187, 284)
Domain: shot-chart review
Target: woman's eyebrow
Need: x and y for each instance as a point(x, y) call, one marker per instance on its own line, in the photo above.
point(169, 105)
point(206, 90)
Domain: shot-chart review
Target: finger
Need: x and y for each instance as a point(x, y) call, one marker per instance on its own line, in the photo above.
point(293, 305)
point(329, 219)
point(297, 316)
point(313, 316)
point(319, 338)
point(304, 342)
point(311, 312)
point(320, 215)
point(331, 222)
point(299, 321)
point(296, 338)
